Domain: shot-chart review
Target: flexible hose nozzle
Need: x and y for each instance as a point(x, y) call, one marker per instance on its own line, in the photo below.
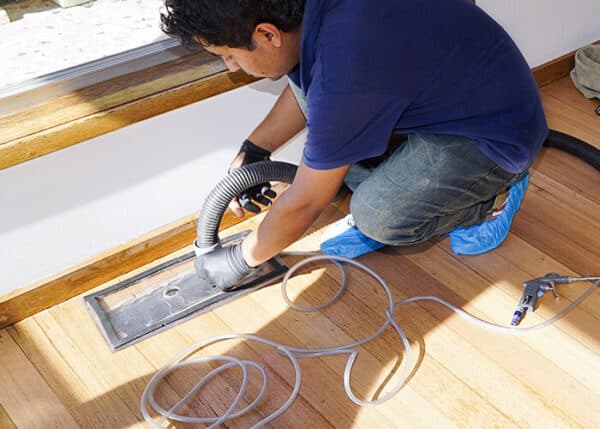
point(218, 200)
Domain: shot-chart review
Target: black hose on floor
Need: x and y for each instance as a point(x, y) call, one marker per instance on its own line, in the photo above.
point(574, 146)
point(266, 171)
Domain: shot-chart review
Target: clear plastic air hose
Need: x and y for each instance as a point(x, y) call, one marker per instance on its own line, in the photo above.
point(295, 353)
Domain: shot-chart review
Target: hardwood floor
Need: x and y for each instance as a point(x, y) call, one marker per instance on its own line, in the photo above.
point(57, 371)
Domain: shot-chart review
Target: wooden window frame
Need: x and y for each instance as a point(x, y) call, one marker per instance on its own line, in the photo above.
point(62, 120)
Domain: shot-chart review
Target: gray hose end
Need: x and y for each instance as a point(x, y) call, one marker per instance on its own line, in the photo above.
point(201, 251)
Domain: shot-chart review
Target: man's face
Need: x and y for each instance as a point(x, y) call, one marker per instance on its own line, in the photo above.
point(275, 53)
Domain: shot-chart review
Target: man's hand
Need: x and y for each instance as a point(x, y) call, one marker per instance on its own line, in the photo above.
point(248, 154)
point(224, 267)
point(293, 213)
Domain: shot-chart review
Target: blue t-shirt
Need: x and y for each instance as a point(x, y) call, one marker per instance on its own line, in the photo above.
point(373, 68)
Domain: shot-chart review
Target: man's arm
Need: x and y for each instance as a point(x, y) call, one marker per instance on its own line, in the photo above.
point(293, 213)
point(283, 122)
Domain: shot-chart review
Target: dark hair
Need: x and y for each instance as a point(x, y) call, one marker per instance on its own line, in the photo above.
point(228, 22)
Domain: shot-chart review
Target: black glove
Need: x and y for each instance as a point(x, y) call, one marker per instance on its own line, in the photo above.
point(223, 267)
point(248, 154)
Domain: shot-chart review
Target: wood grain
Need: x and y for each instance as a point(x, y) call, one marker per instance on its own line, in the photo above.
point(556, 69)
point(490, 295)
point(25, 395)
point(570, 120)
point(100, 121)
point(5, 420)
point(106, 95)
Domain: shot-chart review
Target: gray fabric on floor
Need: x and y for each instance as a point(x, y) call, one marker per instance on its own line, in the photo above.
point(586, 74)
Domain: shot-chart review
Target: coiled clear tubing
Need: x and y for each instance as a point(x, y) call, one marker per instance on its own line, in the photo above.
point(295, 353)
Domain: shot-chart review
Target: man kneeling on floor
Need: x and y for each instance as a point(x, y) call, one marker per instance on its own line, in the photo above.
point(441, 72)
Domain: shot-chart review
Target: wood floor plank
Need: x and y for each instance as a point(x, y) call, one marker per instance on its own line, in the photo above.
point(560, 213)
point(5, 420)
point(302, 414)
point(555, 221)
point(353, 323)
point(543, 227)
point(460, 356)
point(522, 356)
point(568, 197)
point(76, 394)
point(321, 386)
point(563, 117)
point(314, 381)
point(25, 395)
point(570, 171)
point(103, 394)
point(208, 324)
point(565, 91)
point(529, 262)
point(212, 401)
point(97, 361)
point(504, 273)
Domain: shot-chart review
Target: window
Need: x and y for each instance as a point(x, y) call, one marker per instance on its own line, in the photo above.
point(69, 74)
point(44, 43)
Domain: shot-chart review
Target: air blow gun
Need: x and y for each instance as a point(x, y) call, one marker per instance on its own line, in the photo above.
point(536, 288)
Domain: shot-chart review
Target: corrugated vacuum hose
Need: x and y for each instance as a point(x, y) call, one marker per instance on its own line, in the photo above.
point(238, 181)
point(574, 146)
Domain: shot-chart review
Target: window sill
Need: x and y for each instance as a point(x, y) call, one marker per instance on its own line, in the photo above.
point(70, 118)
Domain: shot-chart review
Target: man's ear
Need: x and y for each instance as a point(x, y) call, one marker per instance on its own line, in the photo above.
point(268, 33)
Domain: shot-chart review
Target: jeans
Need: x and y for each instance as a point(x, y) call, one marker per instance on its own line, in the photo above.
point(430, 185)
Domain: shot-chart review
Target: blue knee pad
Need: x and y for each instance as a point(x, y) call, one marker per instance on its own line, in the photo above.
point(343, 238)
point(486, 236)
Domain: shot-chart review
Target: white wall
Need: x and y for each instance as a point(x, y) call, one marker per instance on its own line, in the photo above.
point(547, 29)
point(71, 205)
